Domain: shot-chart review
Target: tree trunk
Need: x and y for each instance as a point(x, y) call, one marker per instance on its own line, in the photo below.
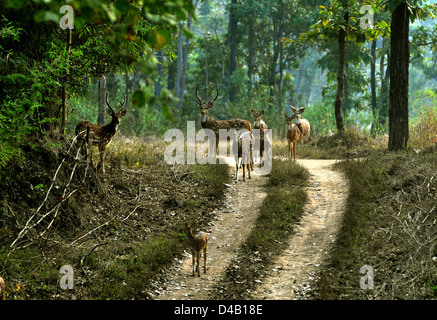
point(180, 60)
point(373, 88)
point(398, 96)
point(233, 46)
point(158, 84)
point(251, 31)
point(101, 119)
point(340, 74)
point(64, 87)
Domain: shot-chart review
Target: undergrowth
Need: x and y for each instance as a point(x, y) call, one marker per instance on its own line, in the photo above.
point(118, 231)
point(389, 224)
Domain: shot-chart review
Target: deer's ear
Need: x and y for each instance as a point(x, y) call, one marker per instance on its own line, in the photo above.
point(262, 111)
point(301, 110)
point(123, 113)
point(110, 112)
point(252, 111)
point(285, 116)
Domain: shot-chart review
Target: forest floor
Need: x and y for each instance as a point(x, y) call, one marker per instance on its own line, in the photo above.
point(302, 232)
point(294, 270)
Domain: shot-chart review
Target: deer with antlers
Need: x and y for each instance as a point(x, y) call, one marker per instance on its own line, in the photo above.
point(196, 243)
point(216, 125)
point(303, 124)
point(101, 135)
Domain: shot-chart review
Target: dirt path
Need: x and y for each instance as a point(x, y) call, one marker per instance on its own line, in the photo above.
point(234, 221)
point(295, 270)
point(292, 273)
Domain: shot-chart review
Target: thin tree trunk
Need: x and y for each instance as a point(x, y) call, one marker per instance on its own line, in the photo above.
point(340, 74)
point(180, 60)
point(158, 84)
point(251, 31)
point(373, 88)
point(399, 55)
point(233, 46)
point(64, 87)
point(101, 119)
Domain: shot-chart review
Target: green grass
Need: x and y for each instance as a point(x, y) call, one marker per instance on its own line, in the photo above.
point(389, 224)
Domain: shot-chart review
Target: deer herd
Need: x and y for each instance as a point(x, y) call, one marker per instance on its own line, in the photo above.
point(243, 142)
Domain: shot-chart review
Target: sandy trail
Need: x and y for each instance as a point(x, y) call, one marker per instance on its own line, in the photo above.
point(294, 271)
point(234, 222)
point(291, 275)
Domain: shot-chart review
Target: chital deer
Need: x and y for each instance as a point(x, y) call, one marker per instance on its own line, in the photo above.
point(243, 150)
point(2, 289)
point(196, 244)
point(101, 135)
point(261, 126)
point(303, 124)
point(216, 125)
point(293, 136)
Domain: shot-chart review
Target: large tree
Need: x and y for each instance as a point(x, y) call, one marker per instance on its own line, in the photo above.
point(399, 64)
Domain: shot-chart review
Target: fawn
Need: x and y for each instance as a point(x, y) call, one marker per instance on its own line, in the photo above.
point(196, 244)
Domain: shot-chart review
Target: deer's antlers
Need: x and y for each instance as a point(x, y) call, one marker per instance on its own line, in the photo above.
point(122, 105)
point(210, 102)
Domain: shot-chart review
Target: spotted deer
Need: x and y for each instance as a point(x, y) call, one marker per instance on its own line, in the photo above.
point(101, 135)
point(293, 136)
point(196, 244)
point(2, 289)
point(303, 124)
point(243, 152)
point(216, 125)
point(261, 126)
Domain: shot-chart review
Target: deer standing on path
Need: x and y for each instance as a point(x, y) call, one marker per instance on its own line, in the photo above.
point(101, 135)
point(243, 149)
point(262, 126)
point(216, 125)
point(293, 136)
point(303, 124)
point(196, 244)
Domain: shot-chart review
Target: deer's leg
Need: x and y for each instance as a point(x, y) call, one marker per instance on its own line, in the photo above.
point(199, 254)
point(237, 165)
point(192, 254)
point(204, 260)
point(294, 151)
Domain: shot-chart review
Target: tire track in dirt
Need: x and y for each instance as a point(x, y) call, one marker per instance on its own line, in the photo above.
point(293, 273)
point(225, 235)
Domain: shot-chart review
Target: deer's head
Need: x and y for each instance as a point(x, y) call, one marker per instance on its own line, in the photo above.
point(257, 116)
point(205, 106)
point(297, 113)
point(290, 120)
point(116, 116)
